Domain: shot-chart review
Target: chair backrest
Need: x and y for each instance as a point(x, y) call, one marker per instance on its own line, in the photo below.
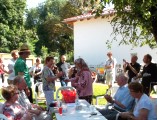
point(40, 95)
point(1, 108)
point(3, 117)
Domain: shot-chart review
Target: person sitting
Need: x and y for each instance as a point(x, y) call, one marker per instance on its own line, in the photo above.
point(11, 109)
point(38, 112)
point(144, 109)
point(122, 100)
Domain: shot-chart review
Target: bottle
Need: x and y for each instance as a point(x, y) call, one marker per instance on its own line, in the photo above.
point(59, 102)
point(77, 104)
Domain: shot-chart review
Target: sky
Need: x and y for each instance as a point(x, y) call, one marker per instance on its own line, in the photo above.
point(33, 3)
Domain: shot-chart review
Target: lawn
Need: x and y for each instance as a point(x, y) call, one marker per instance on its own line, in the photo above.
point(98, 89)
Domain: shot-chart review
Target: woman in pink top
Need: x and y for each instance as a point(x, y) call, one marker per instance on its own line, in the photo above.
point(83, 80)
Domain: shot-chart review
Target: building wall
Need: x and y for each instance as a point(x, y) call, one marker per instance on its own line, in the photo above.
point(90, 38)
point(7, 56)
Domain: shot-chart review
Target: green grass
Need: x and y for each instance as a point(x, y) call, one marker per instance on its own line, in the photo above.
point(98, 90)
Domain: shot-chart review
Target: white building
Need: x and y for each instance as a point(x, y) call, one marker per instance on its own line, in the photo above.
point(91, 34)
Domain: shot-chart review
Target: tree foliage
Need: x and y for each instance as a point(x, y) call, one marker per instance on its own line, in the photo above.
point(47, 19)
point(135, 20)
point(12, 31)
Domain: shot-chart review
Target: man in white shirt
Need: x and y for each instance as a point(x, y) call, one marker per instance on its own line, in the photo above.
point(110, 69)
point(11, 64)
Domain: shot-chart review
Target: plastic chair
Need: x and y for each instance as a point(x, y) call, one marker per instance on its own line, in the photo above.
point(1, 108)
point(113, 90)
point(3, 117)
point(152, 83)
point(39, 97)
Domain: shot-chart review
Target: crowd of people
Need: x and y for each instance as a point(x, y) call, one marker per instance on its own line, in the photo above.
point(131, 94)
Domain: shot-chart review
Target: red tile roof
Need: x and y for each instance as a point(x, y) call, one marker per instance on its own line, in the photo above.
point(107, 12)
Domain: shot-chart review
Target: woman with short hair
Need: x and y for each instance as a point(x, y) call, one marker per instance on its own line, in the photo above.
point(144, 109)
point(48, 79)
point(11, 109)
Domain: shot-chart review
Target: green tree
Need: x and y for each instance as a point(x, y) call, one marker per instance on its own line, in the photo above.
point(47, 19)
point(136, 20)
point(12, 31)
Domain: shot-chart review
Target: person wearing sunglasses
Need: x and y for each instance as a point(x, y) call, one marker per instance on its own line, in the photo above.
point(11, 109)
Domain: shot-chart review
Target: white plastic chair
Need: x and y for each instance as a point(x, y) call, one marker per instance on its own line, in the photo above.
point(113, 90)
point(40, 95)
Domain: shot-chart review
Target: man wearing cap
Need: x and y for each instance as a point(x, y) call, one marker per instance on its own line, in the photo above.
point(21, 69)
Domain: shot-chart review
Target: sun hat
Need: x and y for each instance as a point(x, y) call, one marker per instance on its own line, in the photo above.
point(24, 48)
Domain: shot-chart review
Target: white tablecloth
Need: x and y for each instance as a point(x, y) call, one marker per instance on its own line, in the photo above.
point(83, 114)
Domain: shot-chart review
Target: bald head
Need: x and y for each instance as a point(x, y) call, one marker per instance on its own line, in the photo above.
point(20, 82)
point(122, 79)
point(63, 58)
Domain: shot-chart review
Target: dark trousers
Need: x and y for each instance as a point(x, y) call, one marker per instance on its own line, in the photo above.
point(30, 97)
point(2, 76)
point(109, 114)
point(36, 89)
point(87, 98)
point(120, 118)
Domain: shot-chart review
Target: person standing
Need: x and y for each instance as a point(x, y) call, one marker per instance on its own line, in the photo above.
point(2, 70)
point(64, 67)
point(110, 70)
point(36, 71)
point(149, 74)
point(132, 68)
point(82, 81)
point(21, 69)
point(48, 79)
point(11, 64)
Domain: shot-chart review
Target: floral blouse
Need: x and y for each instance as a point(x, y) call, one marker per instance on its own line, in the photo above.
point(13, 112)
point(83, 83)
point(47, 86)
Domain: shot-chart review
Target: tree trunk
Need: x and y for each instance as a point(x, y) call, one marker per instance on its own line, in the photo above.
point(154, 26)
point(154, 21)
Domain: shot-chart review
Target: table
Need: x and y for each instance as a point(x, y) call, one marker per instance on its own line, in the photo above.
point(83, 114)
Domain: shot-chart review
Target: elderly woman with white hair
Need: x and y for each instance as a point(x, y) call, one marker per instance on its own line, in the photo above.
point(83, 80)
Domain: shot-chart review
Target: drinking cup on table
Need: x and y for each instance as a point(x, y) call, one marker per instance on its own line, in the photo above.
point(92, 108)
point(60, 109)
